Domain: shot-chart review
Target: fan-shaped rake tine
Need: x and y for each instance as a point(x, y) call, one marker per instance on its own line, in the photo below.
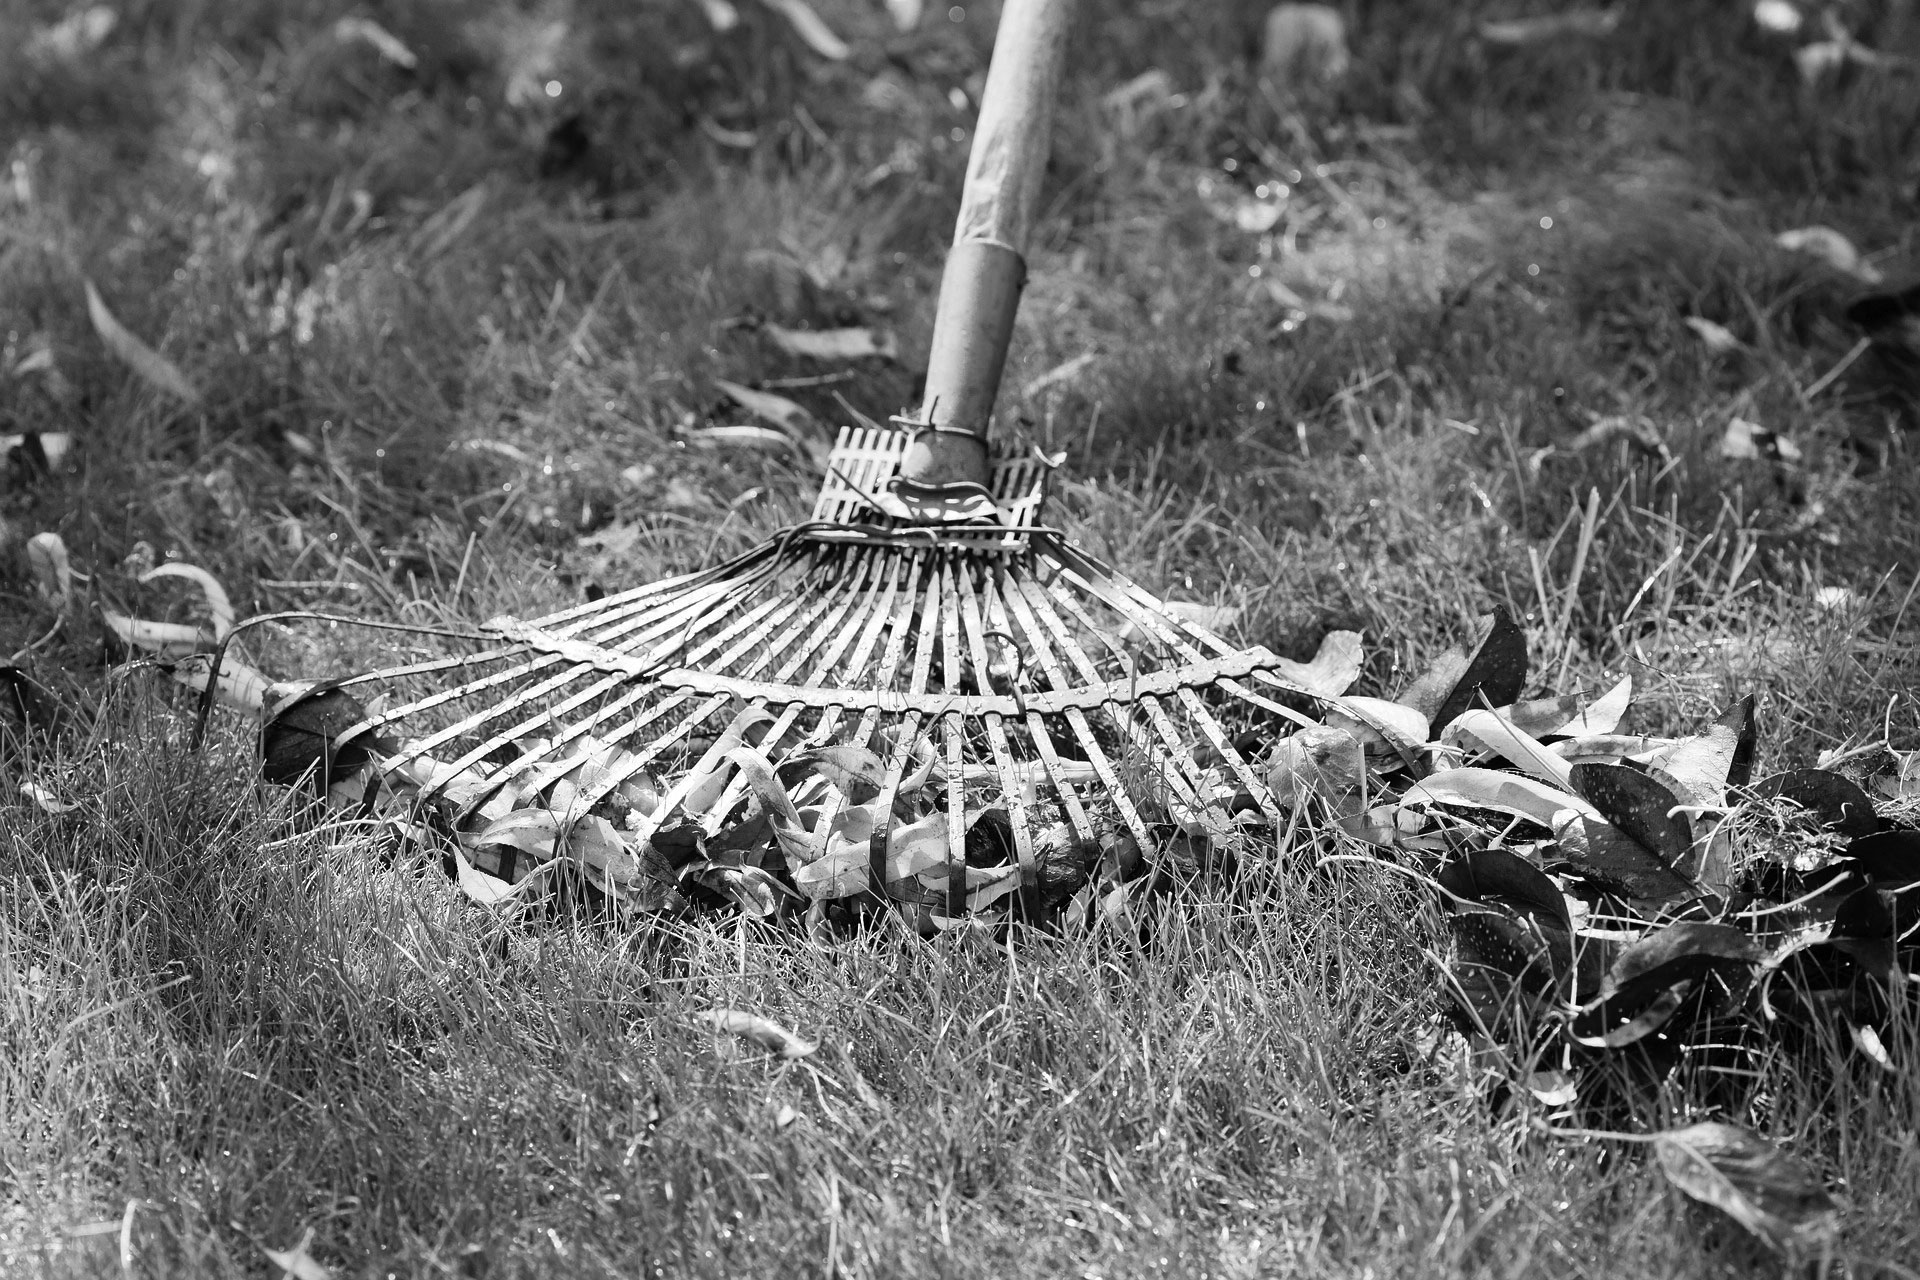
point(923, 586)
point(878, 615)
point(828, 630)
point(1167, 762)
point(1010, 783)
point(1031, 605)
point(955, 742)
point(1008, 598)
point(560, 767)
point(434, 667)
point(730, 573)
point(910, 730)
point(764, 654)
point(523, 698)
point(670, 625)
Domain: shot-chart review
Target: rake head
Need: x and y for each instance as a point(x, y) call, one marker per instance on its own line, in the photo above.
point(959, 718)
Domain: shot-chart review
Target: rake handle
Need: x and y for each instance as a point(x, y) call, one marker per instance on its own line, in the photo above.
point(986, 268)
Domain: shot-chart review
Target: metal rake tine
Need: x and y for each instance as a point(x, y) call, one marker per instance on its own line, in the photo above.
point(920, 564)
point(999, 601)
point(1030, 603)
point(1011, 785)
point(955, 741)
point(877, 616)
point(528, 696)
point(1122, 718)
point(721, 573)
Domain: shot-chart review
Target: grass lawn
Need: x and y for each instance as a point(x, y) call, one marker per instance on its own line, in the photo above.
point(1377, 359)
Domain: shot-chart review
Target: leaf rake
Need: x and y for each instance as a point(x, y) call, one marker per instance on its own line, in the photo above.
point(986, 697)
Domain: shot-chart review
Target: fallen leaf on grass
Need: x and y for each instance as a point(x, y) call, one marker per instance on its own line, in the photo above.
point(1501, 736)
point(45, 798)
point(1501, 792)
point(237, 687)
point(219, 606)
point(1778, 17)
point(1573, 24)
point(1717, 338)
point(1831, 248)
point(1496, 672)
point(388, 45)
point(834, 344)
point(765, 1032)
point(1750, 442)
point(743, 437)
point(297, 1262)
point(1304, 44)
point(75, 36)
point(778, 410)
point(155, 369)
point(816, 34)
point(1324, 760)
point(52, 569)
point(1773, 1195)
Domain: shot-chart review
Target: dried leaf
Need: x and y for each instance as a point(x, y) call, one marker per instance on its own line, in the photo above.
point(1603, 715)
point(1497, 734)
point(743, 437)
point(1495, 673)
point(1304, 45)
point(1831, 248)
point(218, 605)
point(1746, 441)
point(155, 369)
point(721, 15)
point(388, 45)
point(1716, 337)
point(1379, 724)
point(489, 891)
point(52, 570)
point(906, 13)
point(74, 36)
point(237, 687)
point(1603, 854)
point(766, 1033)
point(1334, 667)
point(297, 1262)
point(1501, 792)
point(1837, 804)
point(1638, 805)
point(1887, 858)
point(1325, 760)
point(812, 31)
point(1780, 17)
point(1687, 952)
point(835, 344)
point(45, 799)
point(1573, 24)
point(168, 639)
point(1770, 1193)
point(778, 410)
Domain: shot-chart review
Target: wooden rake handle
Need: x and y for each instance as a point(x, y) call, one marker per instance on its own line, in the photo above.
point(986, 268)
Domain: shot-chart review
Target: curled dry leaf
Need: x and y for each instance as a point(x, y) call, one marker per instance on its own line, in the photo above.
point(1749, 441)
point(52, 569)
point(1502, 737)
point(167, 639)
point(1778, 17)
point(721, 15)
point(777, 409)
point(236, 686)
point(1831, 248)
point(1773, 1195)
point(813, 32)
point(834, 344)
point(1326, 761)
point(219, 606)
point(74, 36)
point(1717, 338)
point(1501, 792)
point(743, 437)
point(384, 42)
point(297, 1262)
point(1571, 25)
point(152, 367)
point(765, 1032)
